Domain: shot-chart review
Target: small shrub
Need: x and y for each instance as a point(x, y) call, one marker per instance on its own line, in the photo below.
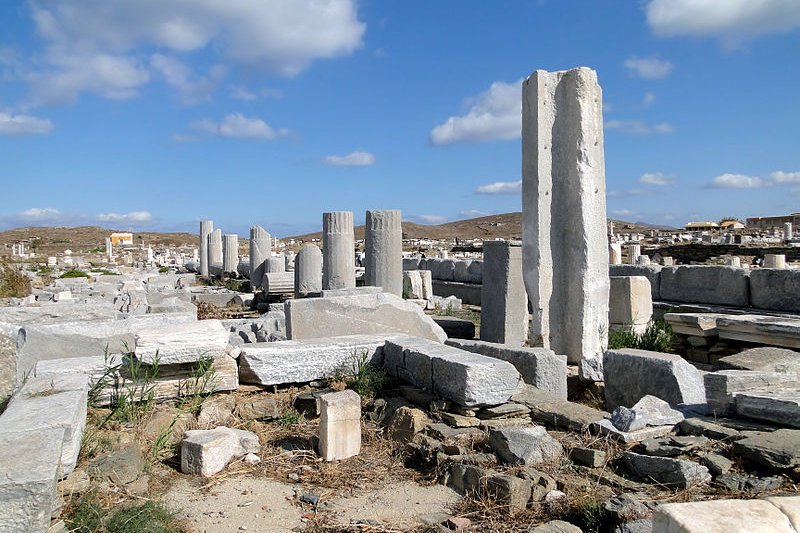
point(87, 514)
point(13, 283)
point(163, 270)
point(657, 337)
point(73, 273)
point(136, 395)
point(289, 418)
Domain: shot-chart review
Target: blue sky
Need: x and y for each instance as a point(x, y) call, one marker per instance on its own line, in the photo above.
point(154, 114)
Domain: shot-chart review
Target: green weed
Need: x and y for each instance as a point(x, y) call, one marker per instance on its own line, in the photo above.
point(657, 337)
point(74, 273)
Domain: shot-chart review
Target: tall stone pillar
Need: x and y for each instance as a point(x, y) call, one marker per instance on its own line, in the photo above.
point(634, 252)
point(565, 247)
point(787, 231)
point(109, 250)
point(215, 250)
point(383, 265)
point(504, 304)
point(308, 271)
point(260, 250)
point(206, 227)
point(230, 253)
point(338, 251)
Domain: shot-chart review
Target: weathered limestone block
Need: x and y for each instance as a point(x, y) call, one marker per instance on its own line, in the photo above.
point(301, 361)
point(632, 374)
point(278, 282)
point(539, 367)
point(504, 303)
point(776, 261)
point(29, 472)
point(779, 407)
point(760, 329)
point(427, 284)
point(260, 250)
point(462, 377)
point(275, 264)
point(675, 473)
point(206, 227)
point(308, 271)
point(614, 253)
point(694, 324)
point(555, 412)
point(789, 505)
point(339, 425)
point(523, 445)
point(708, 284)
point(651, 272)
point(564, 212)
point(338, 251)
point(182, 343)
point(384, 251)
point(44, 403)
point(206, 451)
point(763, 359)
point(363, 314)
point(723, 385)
point(412, 284)
point(630, 303)
point(778, 449)
point(720, 516)
point(775, 289)
point(354, 291)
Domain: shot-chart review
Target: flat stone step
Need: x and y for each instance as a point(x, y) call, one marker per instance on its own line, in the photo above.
point(760, 329)
point(555, 412)
point(779, 407)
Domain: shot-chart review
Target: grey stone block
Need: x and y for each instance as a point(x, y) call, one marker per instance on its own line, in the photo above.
point(456, 328)
point(723, 385)
point(775, 289)
point(651, 272)
point(675, 473)
point(708, 284)
point(504, 302)
point(539, 367)
point(778, 450)
point(555, 412)
point(30, 468)
point(524, 445)
point(763, 359)
point(779, 407)
point(632, 374)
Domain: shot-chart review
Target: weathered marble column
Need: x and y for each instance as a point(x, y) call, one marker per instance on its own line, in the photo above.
point(383, 264)
point(206, 227)
point(634, 251)
point(109, 250)
point(260, 250)
point(504, 304)
point(230, 253)
point(338, 252)
point(565, 247)
point(308, 271)
point(215, 250)
point(787, 231)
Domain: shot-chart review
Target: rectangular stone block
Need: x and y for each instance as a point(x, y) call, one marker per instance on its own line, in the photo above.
point(720, 516)
point(651, 272)
point(367, 314)
point(723, 385)
point(760, 329)
point(462, 377)
point(630, 303)
point(339, 425)
point(504, 302)
point(301, 361)
point(778, 407)
point(775, 289)
point(29, 473)
point(694, 324)
point(708, 284)
point(181, 343)
point(539, 367)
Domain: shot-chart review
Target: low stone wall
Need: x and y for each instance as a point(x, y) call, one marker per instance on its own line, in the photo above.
point(700, 253)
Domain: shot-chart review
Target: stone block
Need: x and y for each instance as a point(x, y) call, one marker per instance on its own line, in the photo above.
point(720, 516)
point(588, 457)
point(412, 284)
point(504, 303)
point(778, 450)
point(778, 407)
point(693, 324)
point(723, 385)
point(651, 272)
point(456, 328)
point(775, 289)
point(55, 402)
point(606, 428)
point(30, 469)
point(380, 313)
point(555, 412)
point(181, 343)
point(509, 491)
point(340, 425)
point(789, 506)
point(763, 359)
point(206, 451)
point(520, 445)
point(633, 374)
point(630, 303)
point(760, 329)
point(708, 284)
point(539, 367)
point(462, 377)
point(674, 473)
point(301, 361)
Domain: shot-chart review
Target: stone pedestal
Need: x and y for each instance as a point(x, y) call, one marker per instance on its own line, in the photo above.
point(260, 249)
point(734, 261)
point(630, 303)
point(504, 303)
point(215, 249)
point(230, 253)
point(634, 252)
point(339, 425)
point(565, 245)
point(308, 271)
point(774, 261)
point(338, 254)
point(384, 248)
point(615, 253)
point(275, 263)
point(206, 227)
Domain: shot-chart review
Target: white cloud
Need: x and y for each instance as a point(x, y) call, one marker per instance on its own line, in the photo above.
point(472, 213)
point(93, 45)
point(732, 20)
point(648, 99)
point(649, 68)
point(40, 213)
point(355, 159)
point(638, 127)
point(429, 219)
point(501, 187)
point(737, 181)
point(626, 193)
point(24, 125)
point(238, 126)
point(656, 178)
point(243, 93)
point(624, 213)
point(132, 217)
point(780, 177)
point(493, 115)
point(179, 76)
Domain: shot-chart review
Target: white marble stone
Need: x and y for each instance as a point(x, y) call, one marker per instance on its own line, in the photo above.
point(339, 425)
